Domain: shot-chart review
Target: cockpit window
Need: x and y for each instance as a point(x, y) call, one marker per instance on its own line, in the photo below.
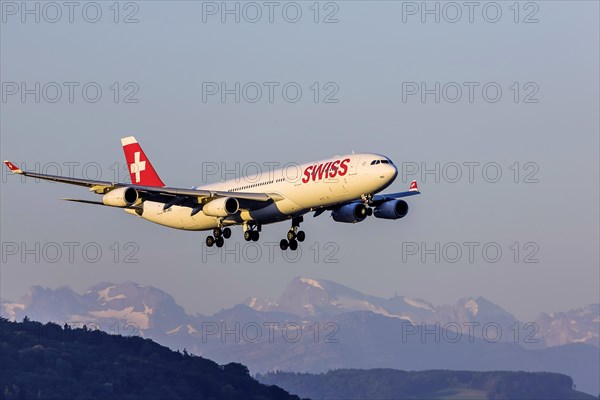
point(375, 162)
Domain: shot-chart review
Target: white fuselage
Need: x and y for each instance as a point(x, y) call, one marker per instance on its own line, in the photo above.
point(297, 188)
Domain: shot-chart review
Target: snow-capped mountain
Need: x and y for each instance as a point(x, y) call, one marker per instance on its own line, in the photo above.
point(103, 304)
point(322, 298)
point(574, 326)
point(486, 319)
point(151, 310)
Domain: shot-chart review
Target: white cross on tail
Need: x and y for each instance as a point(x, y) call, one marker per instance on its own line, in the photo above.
point(137, 166)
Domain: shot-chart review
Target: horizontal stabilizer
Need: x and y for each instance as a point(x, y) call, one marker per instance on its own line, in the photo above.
point(98, 203)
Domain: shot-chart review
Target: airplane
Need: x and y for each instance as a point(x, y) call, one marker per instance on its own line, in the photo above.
point(346, 185)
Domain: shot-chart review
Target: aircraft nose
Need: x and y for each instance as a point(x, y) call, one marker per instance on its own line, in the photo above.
point(394, 171)
point(389, 172)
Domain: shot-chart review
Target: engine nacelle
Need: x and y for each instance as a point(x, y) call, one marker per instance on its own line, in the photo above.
point(221, 207)
point(391, 209)
point(120, 197)
point(355, 212)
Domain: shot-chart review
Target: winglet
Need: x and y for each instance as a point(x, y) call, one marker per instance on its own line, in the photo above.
point(13, 167)
point(413, 187)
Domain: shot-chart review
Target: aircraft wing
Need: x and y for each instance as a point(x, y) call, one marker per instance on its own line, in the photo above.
point(102, 187)
point(380, 198)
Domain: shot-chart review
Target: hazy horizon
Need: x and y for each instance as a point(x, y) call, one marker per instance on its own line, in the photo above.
point(191, 309)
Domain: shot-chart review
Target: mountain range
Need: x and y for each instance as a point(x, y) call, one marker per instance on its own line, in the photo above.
point(317, 325)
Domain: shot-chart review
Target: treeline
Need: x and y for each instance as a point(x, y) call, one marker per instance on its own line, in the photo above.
point(47, 361)
point(376, 384)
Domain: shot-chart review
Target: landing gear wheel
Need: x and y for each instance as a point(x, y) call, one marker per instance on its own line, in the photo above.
point(217, 232)
point(248, 236)
point(210, 241)
point(255, 236)
point(369, 211)
point(293, 245)
point(291, 235)
point(283, 244)
point(219, 242)
point(301, 236)
point(226, 233)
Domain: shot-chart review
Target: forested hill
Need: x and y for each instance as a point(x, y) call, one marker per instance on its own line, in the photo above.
point(388, 384)
point(47, 361)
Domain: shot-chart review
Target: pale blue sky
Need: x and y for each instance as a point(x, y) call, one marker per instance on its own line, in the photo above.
point(369, 53)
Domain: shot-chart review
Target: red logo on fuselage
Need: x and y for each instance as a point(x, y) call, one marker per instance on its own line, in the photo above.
point(327, 170)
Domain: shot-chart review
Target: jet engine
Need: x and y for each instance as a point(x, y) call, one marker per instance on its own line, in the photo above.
point(221, 207)
point(120, 197)
point(391, 209)
point(355, 212)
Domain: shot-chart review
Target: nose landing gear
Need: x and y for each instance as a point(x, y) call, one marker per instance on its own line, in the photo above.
point(368, 200)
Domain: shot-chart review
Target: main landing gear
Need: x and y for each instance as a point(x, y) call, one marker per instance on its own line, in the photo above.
point(219, 236)
point(251, 232)
point(293, 236)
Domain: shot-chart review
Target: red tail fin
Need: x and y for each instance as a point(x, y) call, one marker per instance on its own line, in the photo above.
point(140, 169)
